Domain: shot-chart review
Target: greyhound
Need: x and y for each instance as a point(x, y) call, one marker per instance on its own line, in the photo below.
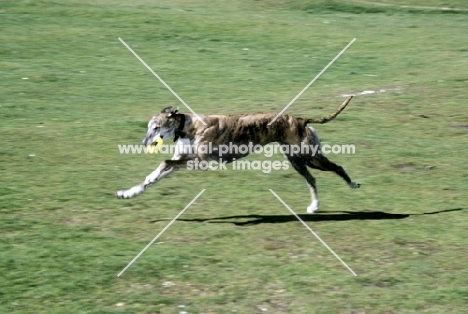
point(253, 129)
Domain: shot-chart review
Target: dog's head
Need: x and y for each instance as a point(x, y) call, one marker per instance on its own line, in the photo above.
point(161, 126)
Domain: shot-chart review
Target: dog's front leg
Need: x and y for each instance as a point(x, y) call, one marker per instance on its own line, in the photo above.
point(165, 168)
point(162, 171)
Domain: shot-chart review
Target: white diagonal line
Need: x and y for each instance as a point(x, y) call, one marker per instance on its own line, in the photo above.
point(311, 82)
point(312, 231)
point(165, 228)
point(161, 80)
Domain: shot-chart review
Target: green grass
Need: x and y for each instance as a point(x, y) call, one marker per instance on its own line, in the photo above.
point(64, 236)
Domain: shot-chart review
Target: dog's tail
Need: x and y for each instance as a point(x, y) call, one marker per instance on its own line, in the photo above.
point(333, 115)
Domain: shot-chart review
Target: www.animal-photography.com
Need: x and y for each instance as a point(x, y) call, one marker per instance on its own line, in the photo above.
point(233, 156)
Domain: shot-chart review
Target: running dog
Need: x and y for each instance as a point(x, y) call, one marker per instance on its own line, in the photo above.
point(189, 131)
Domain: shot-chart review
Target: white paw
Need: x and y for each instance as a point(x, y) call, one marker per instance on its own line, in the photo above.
point(355, 185)
point(312, 207)
point(130, 193)
point(121, 194)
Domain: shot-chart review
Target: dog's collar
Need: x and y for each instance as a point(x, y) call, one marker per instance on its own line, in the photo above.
point(178, 131)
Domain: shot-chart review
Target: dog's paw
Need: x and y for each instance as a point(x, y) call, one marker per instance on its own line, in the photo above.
point(312, 207)
point(355, 185)
point(121, 194)
point(131, 192)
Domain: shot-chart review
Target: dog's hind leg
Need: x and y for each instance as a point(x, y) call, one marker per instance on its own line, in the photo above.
point(316, 160)
point(299, 165)
point(323, 163)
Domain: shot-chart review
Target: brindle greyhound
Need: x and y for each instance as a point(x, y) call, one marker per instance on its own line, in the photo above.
point(252, 129)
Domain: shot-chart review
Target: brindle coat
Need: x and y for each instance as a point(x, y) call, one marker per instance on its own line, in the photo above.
point(240, 130)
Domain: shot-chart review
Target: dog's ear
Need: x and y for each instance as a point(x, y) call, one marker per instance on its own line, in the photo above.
point(172, 111)
point(168, 110)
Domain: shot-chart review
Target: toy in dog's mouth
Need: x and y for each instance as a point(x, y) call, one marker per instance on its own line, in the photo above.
point(156, 145)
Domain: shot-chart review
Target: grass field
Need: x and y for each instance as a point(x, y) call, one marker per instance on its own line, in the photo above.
point(71, 92)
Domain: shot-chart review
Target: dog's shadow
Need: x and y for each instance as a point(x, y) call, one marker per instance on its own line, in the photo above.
point(326, 216)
